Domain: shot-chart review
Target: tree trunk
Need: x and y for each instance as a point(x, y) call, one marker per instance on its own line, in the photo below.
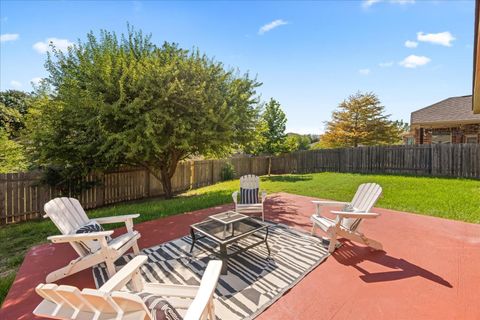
point(166, 180)
point(167, 169)
point(269, 165)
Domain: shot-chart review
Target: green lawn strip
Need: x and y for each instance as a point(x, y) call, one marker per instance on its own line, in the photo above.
point(456, 199)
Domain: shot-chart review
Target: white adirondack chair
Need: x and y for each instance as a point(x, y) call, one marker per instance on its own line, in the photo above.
point(249, 182)
point(348, 220)
point(93, 248)
point(108, 302)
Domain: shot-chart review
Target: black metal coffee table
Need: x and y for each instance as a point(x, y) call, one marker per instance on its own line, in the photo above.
point(228, 228)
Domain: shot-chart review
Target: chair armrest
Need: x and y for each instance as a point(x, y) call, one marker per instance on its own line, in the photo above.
point(264, 195)
point(171, 290)
point(80, 236)
point(115, 219)
point(357, 215)
point(205, 291)
point(124, 275)
point(328, 203)
point(235, 196)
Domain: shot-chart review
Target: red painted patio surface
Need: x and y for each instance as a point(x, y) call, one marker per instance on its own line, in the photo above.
point(430, 268)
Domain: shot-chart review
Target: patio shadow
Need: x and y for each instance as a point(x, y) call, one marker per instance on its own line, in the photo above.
point(352, 255)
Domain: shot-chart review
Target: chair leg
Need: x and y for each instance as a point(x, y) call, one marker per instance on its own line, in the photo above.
point(211, 310)
point(314, 226)
point(135, 248)
point(333, 242)
point(110, 267)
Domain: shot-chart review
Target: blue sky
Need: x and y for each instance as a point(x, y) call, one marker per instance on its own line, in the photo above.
point(309, 55)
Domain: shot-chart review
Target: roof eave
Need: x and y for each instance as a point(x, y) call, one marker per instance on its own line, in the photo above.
point(451, 123)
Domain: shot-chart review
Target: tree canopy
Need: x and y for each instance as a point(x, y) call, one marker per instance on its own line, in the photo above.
point(124, 100)
point(361, 120)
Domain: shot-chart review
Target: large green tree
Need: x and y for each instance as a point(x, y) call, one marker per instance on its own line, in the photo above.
point(361, 120)
point(125, 100)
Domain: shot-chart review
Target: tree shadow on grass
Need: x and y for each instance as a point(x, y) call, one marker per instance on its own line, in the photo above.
point(289, 178)
point(352, 255)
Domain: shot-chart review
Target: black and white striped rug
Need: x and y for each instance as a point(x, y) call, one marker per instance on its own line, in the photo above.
point(253, 282)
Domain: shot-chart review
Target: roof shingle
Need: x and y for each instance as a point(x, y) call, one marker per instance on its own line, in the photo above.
point(454, 109)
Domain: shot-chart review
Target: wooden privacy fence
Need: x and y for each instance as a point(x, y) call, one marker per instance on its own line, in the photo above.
point(21, 198)
point(441, 160)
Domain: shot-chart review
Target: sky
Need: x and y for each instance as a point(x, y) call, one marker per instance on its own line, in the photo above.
point(310, 56)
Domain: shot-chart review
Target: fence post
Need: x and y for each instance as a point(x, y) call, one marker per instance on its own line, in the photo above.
point(211, 172)
point(3, 190)
point(192, 174)
point(146, 184)
point(100, 190)
point(43, 197)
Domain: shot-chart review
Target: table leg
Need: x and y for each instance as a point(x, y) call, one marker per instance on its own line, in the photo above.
point(224, 258)
point(192, 234)
point(266, 242)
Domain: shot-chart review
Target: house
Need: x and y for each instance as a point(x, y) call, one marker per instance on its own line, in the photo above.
point(448, 121)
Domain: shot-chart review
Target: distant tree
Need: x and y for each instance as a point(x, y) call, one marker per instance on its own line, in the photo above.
point(272, 133)
point(14, 105)
point(12, 158)
point(360, 120)
point(401, 125)
point(296, 142)
point(314, 137)
point(127, 101)
point(275, 123)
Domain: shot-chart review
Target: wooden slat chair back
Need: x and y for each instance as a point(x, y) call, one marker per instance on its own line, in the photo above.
point(250, 182)
point(68, 215)
point(363, 201)
point(108, 302)
point(92, 247)
point(348, 220)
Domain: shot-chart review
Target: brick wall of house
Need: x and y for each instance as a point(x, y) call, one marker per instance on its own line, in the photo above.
point(458, 134)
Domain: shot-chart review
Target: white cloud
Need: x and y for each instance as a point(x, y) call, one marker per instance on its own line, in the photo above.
point(364, 72)
point(413, 61)
point(16, 84)
point(441, 38)
point(36, 80)
point(369, 3)
point(403, 1)
point(411, 44)
point(9, 37)
point(386, 64)
point(272, 25)
point(60, 44)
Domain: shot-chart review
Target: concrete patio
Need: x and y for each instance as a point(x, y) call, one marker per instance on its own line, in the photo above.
point(429, 269)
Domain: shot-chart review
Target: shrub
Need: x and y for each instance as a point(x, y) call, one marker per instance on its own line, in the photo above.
point(227, 172)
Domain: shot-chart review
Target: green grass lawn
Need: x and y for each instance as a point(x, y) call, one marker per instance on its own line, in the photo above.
point(456, 199)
